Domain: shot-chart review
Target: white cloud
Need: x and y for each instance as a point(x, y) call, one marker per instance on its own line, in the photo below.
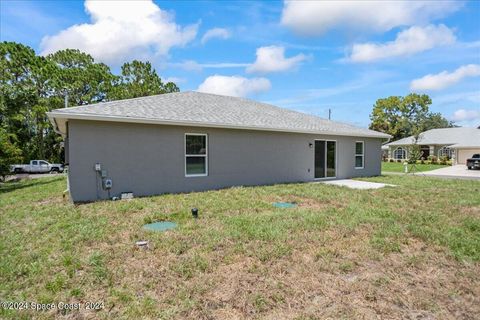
point(120, 30)
point(217, 65)
point(316, 17)
point(465, 115)
point(457, 97)
point(272, 59)
point(191, 65)
point(413, 40)
point(234, 85)
point(445, 79)
point(220, 33)
point(174, 80)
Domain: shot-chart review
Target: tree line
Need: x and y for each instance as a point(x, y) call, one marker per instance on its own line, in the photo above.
point(32, 85)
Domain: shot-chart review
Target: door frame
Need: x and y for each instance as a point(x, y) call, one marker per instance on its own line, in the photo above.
point(336, 158)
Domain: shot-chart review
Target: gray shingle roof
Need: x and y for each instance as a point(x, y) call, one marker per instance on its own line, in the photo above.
point(203, 109)
point(455, 137)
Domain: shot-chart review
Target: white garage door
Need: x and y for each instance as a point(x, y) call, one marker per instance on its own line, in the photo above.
point(464, 154)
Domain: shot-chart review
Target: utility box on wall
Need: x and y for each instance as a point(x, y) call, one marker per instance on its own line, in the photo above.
point(107, 184)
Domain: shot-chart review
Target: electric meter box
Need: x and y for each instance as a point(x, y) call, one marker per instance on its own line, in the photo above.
point(107, 184)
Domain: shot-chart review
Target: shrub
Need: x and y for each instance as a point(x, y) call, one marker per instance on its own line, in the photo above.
point(414, 154)
point(443, 160)
point(391, 160)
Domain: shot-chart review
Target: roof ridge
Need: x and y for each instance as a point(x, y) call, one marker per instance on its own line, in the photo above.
point(128, 99)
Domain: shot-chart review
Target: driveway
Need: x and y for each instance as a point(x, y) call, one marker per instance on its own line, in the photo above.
point(454, 172)
point(22, 176)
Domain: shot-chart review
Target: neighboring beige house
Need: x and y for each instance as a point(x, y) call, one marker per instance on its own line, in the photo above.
point(458, 144)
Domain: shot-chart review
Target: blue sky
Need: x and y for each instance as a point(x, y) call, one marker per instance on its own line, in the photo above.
point(306, 56)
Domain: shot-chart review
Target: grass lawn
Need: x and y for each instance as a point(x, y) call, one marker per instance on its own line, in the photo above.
point(407, 252)
point(398, 167)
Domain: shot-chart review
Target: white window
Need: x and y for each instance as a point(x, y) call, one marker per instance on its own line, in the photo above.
point(445, 151)
point(196, 164)
point(359, 154)
point(399, 154)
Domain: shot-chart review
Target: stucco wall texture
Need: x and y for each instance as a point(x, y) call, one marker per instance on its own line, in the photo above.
point(149, 159)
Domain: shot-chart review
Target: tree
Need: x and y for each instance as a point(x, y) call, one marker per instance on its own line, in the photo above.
point(435, 121)
point(404, 116)
point(79, 76)
point(26, 91)
point(9, 152)
point(139, 79)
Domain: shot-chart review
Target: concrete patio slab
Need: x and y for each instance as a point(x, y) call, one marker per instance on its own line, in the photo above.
point(355, 184)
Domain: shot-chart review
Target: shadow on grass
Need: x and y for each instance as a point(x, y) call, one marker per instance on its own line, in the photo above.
point(6, 187)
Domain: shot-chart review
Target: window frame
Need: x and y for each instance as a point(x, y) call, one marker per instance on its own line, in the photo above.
point(404, 152)
point(359, 155)
point(195, 155)
point(446, 149)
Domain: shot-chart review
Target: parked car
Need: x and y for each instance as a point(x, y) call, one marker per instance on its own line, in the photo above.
point(37, 166)
point(474, 162)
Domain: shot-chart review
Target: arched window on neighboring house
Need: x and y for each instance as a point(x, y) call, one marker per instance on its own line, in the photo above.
point(399, 154)
point(445, 151)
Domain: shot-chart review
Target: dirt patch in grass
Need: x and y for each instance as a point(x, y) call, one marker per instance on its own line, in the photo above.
point(418, 282)
point(332, 275)
point(308, 203)
point(51, 201)
point(318, 204)
point(471, 211)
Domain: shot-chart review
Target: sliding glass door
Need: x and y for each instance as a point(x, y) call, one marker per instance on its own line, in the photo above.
point(319, 159)
point(325, 159)
point(331, 158)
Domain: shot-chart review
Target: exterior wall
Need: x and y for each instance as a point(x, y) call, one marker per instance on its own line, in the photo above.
point(149, 159)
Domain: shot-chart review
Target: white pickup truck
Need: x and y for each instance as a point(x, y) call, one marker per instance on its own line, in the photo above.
point(37, 166)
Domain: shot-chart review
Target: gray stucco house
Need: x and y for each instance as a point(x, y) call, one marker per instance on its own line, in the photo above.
point(191, 141)
point(457, 144)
